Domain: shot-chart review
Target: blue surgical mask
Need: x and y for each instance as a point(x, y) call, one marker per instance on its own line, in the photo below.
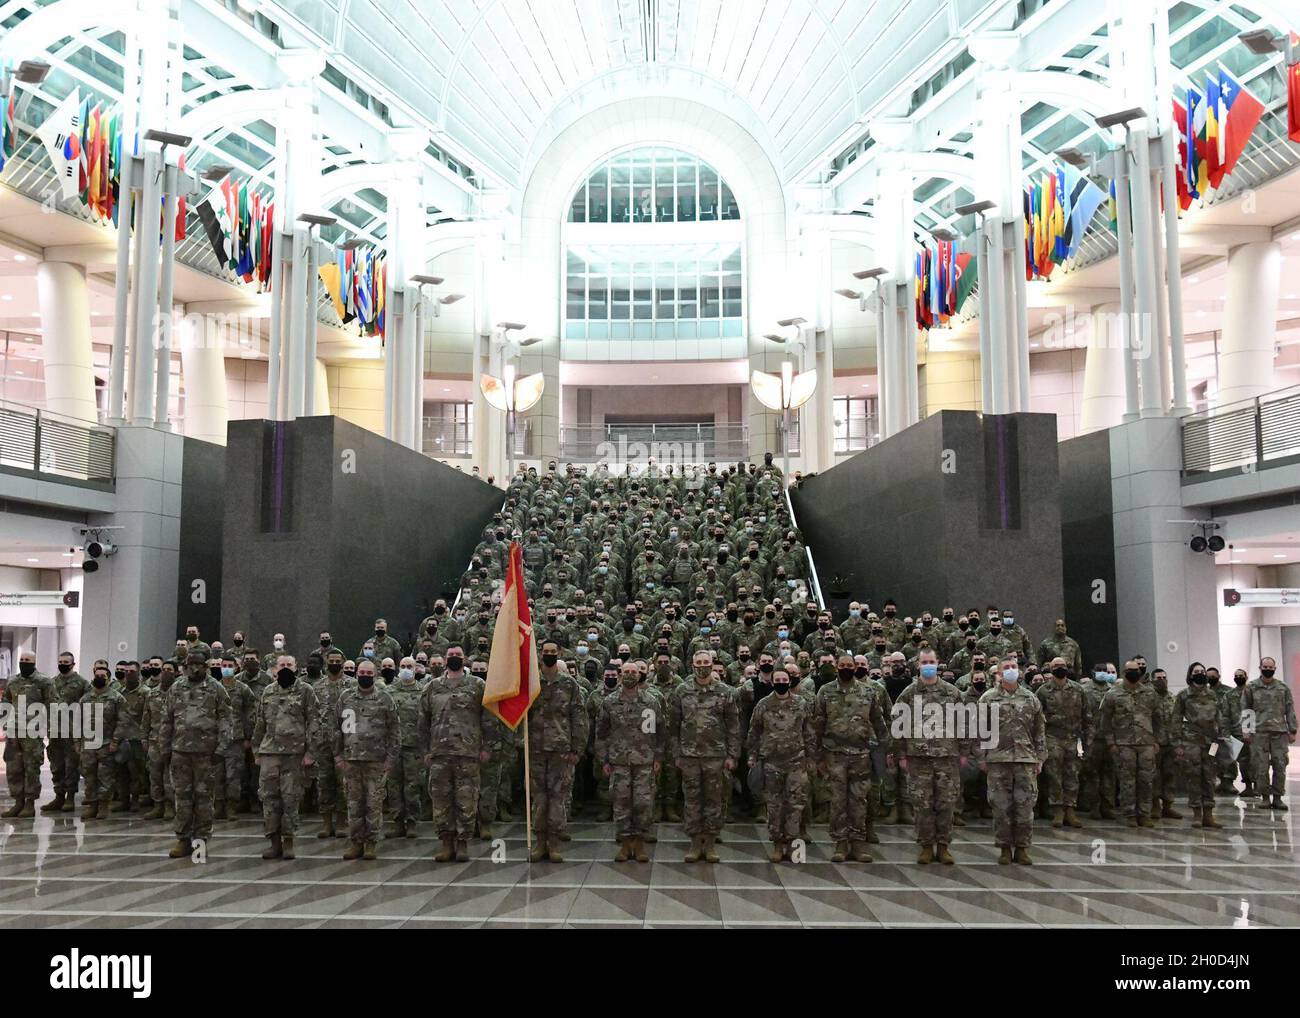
point(1011, 675)
point(406, 674)
point(855, 612)
point(368, 652)
point(1101, 676)
point(929, 671)
point(227, 673)
point(582, 651)
point(706, 629)
point(783, 634)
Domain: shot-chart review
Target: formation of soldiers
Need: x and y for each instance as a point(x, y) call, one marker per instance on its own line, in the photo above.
point(688, 675)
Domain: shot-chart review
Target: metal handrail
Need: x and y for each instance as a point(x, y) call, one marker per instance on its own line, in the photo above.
point(52, 443)
point(807, 549)
point(1243, 435)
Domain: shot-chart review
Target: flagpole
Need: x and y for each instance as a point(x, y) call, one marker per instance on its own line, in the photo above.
point(528, 792)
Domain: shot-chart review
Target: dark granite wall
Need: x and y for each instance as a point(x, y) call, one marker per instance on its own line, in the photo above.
point(1088, 543)
point(203, 484)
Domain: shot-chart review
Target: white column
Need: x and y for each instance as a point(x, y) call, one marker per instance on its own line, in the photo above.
point(1103, 371)
point(321, 380)
point(65, 340)
point(203, 371)
point(894, 215)
point(1249, 322)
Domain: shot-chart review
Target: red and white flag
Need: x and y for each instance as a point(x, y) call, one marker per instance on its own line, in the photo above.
point(513, 680)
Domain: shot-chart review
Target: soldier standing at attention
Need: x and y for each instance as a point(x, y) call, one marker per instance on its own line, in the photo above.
point(329, 687)
point(848, 723)
point(1274, 721)
point(1132, 726)
point(23, 757)
point(103, 697)
point(558, 725)
point(194, 721)
point(1014, 763)
point(782, 742)
point(1198, 723)
point(453, 730)
point(65, 770)
point(629, 748)
point(284, 732)
point(933, 762)
point(1067, 717)
point(704, 740)
point(365, 744)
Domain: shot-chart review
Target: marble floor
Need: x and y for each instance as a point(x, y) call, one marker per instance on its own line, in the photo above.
point(58, 872)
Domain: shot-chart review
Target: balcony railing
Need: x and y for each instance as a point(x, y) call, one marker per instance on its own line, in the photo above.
point(447, 438)
point(667, 443)
point(46, 443)
point(1247, 435)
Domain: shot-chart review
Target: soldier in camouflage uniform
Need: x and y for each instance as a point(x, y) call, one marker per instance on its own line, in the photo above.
point(668, 784)
point(1097, 777)
point(781, 741)
point(1270, 728)
point(630, 747)
point(228, 776)
point(329, 687)
point(1068, 720)
point(404, 797)
point(453, 732)
point(365, 741)
point(132, 769)
point(1014, 763)
point(160, 778)
point(1169, 759)
point(1199, 724)
point(1132, 725)
point(558, 725)
point(194, 721)
point(384, 645)
point(849, 723)
point(285, 729)
point(933, 762)
point(65, 763)
point(23, 757)
point(97, 761)
point(704, 740)
point(1245, 771)
point(1062, 646)
point(1224, 765)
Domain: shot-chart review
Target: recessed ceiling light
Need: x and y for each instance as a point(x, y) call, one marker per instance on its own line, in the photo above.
point(69, 554)
point(1233, 561)
point(23, 257)
point(1280, 556)
point(18, 371)
point(1191, 279)
point(6, 296)
point(446, 390)
point(33, 560)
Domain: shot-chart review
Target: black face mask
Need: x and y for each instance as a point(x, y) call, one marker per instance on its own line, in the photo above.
point(1060, 673)
point(860, 672)
point(1267, 672)
point(334, 668)
point(325, 641)
point(365, 681)
point(767, 669)
point(64, 669)
point(1197, 678)
point(238, 641)
point(99, 681)
point(388, 673)
point(27, 669)
point(380, 633)
point(285, 677)
point(455, 663)
point(549, 660)
point(846, 674)
point(781, 688)
point(313, 671)
point(215, 672)
point(1132, 675)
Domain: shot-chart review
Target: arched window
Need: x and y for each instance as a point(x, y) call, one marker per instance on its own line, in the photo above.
point(653, 185)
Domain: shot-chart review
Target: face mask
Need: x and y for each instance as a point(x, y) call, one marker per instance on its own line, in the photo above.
point(549, 660)
point(783, 634)
point(846, 674)
point(855, 612)
point(285, 677)
point(406, 674)
point(781, 688)
point(278, 644)
point(581, 652)
point(979, 682)
point(1011, 675)
point(380, 633)
point(227, 673)
point(238, 641)
point(929, 671)
point(368, 652)
point(64, 669)
point(455, 663)
point(1060, 673)
point(1267, 673)
point(215, 671)
point(1132, 675)
point(1198, 678)
point(767, 668)
point(28, 668)
point(365, 681)
point(334, 668)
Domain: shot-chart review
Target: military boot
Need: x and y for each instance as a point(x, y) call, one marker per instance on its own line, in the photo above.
point(860, 853)
point(1226, 787)
point(408, 829)
point(1145, 821)
point(841, 852)
point(891, 815)
point(872, 837)
point(340, 823)
point(1278, 804)
point(219, 811)
point(326, 825)
point(905, 814)
point(776, 855)
point(484, 832)
point(70, 806)
point(354, 851)
point(286, 847)
point(1197, 816)
point(180, 850)
point(1072, 818)
point(54, 805)
point(1250, 792)
point(710, 851)
point(1167, 810)
point(564, 836)
point(29, 809)
point(957, 819)
point(1106, 812)
point(650, 838)
point(925, 856)
point(1207, 818)
point(1004, 857)
point(169, 810)
point(944, 856)
point(638, 851)
point(368, 853)
point(624, 850)
point(462, 851)
point(553, 851)
point(448, 853)
point(693, 853)
point(90, 811)
point(1058, 816)
point(505, 816)
point(1022, 857)
point(154, 814)
point(275, 849)
point(539, 851)
point(1132, 821)
point(672, 814)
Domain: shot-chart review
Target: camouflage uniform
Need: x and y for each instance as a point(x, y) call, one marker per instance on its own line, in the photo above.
point(1273, 710)
point(404, 798)
point(558, 725)
point(228, 775)
point(933, 761)
point(494, 773)
point(1068, 719)
point(1229, 703)
point(285, 728)
point(668, 782)
point(132, 766)
point(703, 733)
point(194, 720)
point(23, 757)
point(365, 738)
point(1013, 763)
point(781, 741)
point(453, 729)
point(65, 762)
point(630, 741)
point(1097, 777)
point(849, 723)
point(1132, 725)
point(328, 777)
point(1199, 724)
point(160, 778)
point(97, 762)
point(1064, 647)
point(1168, 770)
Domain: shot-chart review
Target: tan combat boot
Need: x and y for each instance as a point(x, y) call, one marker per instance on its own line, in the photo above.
point(1167, 810)
point(624, 850)
point(539, 851)
point(891, 816)
point(777, 854)
point(340, 823)
point(368, 853)
point(905, 814)
point(448, 853)
point(1207, 819)
point(1196, 816)
point(1058, 816)
point(1132, 821)
point(860, 853)
point(872, 837)
point(710, 852)
point(693, 853)
point(1022, 857)
point(326, 826)
point(219, 811)
point(169, 810)
point(90, 811)
point(1004, 857)
point(354, 851)
point(925, 856)
point(275, 849)
point(638, 851)
point(957, 819)
point(286, 847)
point(484, 832)
point(1145, 821)
point(180, 850)
point(841, 852)
point(1072, 818)
point(462, 851)
point(29, 809)
point(154, 814)
point(70, 806)
point(553, 850)
point(944, 856)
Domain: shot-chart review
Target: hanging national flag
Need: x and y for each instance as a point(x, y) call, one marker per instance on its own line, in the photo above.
point(1293, 98)
point(211, 212)
point(182, 211)
point(966, 273)
point(1112, 209)
point(8, 131)
point(1082, 198)
point(513, 681)
point(1241, 112)
point(61, 135)
point(1180, 171)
